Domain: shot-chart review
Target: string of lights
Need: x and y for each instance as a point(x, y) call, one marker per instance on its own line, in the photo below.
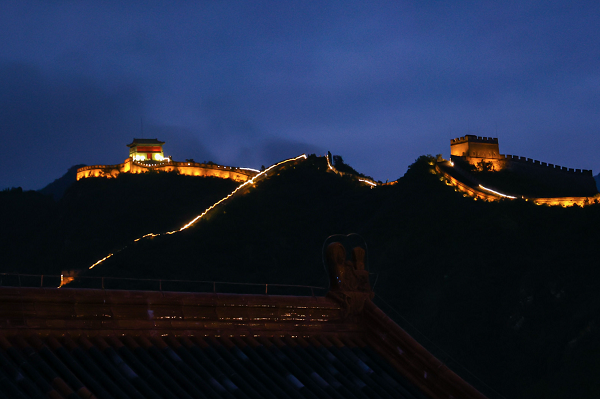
point(368, 182)
point(332, 168)
point(197, 218)
point(496, 192)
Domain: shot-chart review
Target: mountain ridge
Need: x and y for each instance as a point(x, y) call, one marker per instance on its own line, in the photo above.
point(505, 288)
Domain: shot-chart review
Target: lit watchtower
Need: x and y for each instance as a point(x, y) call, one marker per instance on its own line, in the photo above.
point(472, 146)
point(146, 150)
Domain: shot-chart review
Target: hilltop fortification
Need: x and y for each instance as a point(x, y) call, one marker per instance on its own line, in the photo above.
point(147, 155)
point(484, 154)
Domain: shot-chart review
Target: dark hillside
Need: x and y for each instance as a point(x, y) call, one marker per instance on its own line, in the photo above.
point(57, 188)
point(522, 179)
point(507, 289)
point(24, 220)
point(98, 215)
point(272, 233)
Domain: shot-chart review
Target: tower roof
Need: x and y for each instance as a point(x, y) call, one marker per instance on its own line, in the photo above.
point(145, 142)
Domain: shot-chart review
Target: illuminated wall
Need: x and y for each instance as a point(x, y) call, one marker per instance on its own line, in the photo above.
point(475, 147)
point(483, 193)
point(184, 168)
point(567, 181)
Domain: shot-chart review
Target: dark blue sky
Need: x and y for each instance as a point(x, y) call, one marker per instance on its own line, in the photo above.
point(247, 83)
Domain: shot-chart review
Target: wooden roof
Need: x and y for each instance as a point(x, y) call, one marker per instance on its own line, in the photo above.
point(110, 343)
point(144, 142)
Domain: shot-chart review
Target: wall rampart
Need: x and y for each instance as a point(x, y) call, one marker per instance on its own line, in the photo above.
point(475, 147)
point(184, 168)
point(470, 147)
point(481, 193)
point(366, 180)
point(474, 139)
point(99, 167)
point(534, 162)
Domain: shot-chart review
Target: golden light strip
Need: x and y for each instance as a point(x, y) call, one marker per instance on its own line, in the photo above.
point(251, 181)
point(329, 163)
point(191, 223)
point(101, 260)
point(368, 182)
point(497, 193)
point(373, 184)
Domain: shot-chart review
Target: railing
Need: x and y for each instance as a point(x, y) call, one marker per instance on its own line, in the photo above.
point(214, 166)
point(149, 284)
point(89, 167)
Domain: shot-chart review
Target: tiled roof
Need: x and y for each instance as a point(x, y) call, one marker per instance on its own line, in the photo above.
point(145, 141)
point(130, 366)
point(83, 343)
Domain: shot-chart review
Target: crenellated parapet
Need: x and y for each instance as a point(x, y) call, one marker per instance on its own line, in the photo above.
point(146, 155)
point(452, 176)
point(476, 147)
point(553, 167)
point(474, 139)
point(483, 153)
point(183, 168)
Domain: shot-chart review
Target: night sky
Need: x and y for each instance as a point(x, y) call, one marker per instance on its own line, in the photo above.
point(248, 83)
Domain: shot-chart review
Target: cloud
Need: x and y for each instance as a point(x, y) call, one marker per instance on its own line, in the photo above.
point(276, 149)
point(44, 117)
point(180, 142)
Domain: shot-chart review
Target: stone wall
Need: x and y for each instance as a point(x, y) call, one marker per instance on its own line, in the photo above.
point(567, 181)
point(475, 146)
point(184, 168)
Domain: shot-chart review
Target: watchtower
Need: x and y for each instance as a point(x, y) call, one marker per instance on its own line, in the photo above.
point(146, 150)
point(471, 146)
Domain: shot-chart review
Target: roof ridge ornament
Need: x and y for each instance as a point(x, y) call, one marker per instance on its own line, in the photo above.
point(348, 276)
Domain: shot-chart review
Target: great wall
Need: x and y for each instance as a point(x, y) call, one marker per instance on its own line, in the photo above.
point(475, 149)
point(471, 149)
point(146, 155)
point(183, 168)
point(483, 152)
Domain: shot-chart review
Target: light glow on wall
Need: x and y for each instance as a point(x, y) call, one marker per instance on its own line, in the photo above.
point(251, 181)
point(197, 218)
point(100, 261)
point(329, 164)
point(64, 280)
point(332, 168)
point(497, 193)
point(368, 182)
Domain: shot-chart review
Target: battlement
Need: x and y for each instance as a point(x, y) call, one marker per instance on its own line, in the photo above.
point(147, 155)
point(92, 167)
point(475, 147)
point(471, 138)
point(516, 158)
point(185, 168)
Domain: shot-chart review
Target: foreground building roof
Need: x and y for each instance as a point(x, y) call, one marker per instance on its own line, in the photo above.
point(88, 343)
